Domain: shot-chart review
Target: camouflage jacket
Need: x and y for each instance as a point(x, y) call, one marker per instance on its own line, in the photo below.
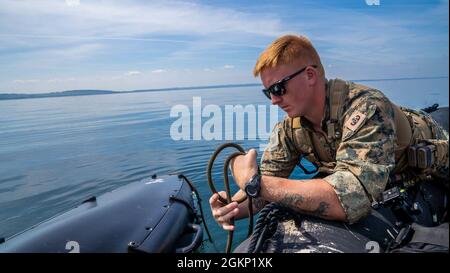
point(357, 161)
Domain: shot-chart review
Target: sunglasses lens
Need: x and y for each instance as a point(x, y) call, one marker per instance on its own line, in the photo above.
point(276, 89)
point(267, 93)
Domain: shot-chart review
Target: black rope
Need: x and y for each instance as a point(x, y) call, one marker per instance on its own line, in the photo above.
point(270, 215)
point(229, 199)
point(266, 225)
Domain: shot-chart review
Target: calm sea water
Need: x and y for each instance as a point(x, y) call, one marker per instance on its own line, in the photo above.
point(55, 152)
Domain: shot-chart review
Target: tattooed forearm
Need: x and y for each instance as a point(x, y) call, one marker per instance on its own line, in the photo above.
point(292, 200)
point(321, 211)
point(296, 201)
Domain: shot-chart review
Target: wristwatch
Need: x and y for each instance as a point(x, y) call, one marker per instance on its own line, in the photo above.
point(253, 186)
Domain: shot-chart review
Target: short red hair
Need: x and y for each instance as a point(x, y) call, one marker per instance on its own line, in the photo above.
point(286, 50)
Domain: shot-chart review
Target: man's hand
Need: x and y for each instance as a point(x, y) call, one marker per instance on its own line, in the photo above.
point(221, 213)
point(243, 167)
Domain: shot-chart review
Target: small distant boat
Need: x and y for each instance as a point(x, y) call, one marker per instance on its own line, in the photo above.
point(153, 215)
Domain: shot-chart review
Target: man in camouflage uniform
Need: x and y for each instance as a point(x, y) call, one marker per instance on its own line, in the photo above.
point(360, 162)
point(355, 136)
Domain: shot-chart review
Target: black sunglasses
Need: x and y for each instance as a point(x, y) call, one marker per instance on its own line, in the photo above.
point(278, 88)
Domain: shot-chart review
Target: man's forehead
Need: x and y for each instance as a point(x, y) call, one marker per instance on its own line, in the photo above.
point(293, 64)
point(270, 75)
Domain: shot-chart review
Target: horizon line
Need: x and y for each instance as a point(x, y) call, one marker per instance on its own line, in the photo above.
point(235, 85)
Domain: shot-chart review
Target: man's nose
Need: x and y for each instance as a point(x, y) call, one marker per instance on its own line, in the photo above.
point(275, 99)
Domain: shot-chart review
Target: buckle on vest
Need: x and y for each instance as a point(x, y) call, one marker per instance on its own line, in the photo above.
point(296, 123)
point(332, 133)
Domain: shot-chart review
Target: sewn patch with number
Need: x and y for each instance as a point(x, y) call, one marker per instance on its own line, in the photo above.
point(355, 120)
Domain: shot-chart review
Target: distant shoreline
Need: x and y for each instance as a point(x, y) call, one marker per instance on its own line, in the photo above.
point(84, 92)
point(71, 93)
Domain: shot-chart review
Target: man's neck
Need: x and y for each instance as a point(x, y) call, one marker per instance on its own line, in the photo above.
point(316, 114)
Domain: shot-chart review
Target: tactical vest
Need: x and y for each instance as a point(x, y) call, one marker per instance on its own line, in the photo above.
point(413, 131)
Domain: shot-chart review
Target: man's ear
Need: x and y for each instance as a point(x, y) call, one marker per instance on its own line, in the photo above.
point(311, 75)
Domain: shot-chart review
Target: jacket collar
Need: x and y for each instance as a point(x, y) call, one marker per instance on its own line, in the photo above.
point(307, 124)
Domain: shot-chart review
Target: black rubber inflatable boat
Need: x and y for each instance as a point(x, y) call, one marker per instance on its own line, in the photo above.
point(153, 215)
point(440, 115)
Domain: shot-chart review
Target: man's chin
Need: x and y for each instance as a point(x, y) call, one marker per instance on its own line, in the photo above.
point(292, 114)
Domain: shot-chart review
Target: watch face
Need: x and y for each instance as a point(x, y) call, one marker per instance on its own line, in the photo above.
point(252, 190)
point(252, 187)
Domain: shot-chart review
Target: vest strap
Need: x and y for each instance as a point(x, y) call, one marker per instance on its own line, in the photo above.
point(338, 93)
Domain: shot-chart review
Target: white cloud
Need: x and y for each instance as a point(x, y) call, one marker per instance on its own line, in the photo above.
point(359, 43)
point(129, 18)
point(26, 81)
point(79, 51)
point(61, 80)
point(159, 71)
point(97, 39)
point(133, 73)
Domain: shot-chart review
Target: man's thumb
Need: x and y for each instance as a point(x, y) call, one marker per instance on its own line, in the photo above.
point(252, 153)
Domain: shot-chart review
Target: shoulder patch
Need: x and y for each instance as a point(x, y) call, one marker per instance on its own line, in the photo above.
point(355, 120)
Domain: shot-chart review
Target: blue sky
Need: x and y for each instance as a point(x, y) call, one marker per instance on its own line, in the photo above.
point(55, 45)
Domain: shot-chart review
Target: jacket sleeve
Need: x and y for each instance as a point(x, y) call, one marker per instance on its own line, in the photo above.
point(365, 157)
